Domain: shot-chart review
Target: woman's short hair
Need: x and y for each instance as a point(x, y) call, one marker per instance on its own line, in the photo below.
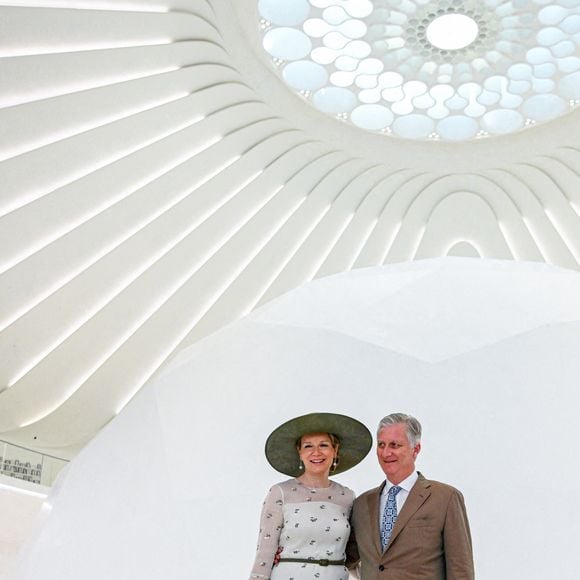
point(413, 427)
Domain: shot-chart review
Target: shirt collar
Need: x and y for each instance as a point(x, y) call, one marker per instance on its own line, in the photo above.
point(406, 484)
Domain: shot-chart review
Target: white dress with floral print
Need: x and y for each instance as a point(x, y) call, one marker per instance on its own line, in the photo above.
point(308, 523)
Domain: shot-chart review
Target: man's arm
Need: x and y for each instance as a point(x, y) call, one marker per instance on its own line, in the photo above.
point(352, 555)
point(457, 541)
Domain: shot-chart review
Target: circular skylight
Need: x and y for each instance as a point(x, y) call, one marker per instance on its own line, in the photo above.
point(420, 69)
point(452, 31)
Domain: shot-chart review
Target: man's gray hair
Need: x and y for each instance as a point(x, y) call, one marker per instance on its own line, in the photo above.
point(413, 426)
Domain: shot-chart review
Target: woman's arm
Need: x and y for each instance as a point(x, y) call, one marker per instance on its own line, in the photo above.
point(271, 524)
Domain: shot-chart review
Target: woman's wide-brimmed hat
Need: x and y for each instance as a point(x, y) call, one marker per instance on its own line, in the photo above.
point(355, 441)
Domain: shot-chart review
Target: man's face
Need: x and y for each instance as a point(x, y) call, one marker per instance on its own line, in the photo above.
point(396, 456)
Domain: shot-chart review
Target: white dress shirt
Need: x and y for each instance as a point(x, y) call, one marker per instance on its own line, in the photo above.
point(406, 485)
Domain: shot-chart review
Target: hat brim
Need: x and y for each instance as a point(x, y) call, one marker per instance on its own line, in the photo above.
point(355, 441)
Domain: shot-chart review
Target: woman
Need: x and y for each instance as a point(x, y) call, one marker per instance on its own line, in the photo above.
point(306, 517)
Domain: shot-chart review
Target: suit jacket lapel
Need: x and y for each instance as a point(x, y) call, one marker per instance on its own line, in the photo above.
point(375, 517)
point(417, 497)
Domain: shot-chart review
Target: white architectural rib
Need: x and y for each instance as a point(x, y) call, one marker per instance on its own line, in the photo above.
point(127, 136)
point(34, 78)
point(457, 242)
point(566, 226)
point(340, 254)
point(70, 408)
point(104, 297)
point(385, 206)
point(558, 209)
point(32, 125)
point(505, 210)
point(112, 184)
point(83, 31)
point(147, 6)
point(202, 307)
point(13, 150)
point(541, 230)
point(295, 255)
point(502, 206)
point(256, 239)
point(464, 215)
point(176, 285)
point(269, 262)
point(342, 200)
point(188, 170)
point(565, 177)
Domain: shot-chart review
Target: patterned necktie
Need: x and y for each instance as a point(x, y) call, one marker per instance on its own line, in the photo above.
point(389, 515)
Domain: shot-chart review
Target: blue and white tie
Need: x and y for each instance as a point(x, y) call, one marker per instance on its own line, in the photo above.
point(389, 515)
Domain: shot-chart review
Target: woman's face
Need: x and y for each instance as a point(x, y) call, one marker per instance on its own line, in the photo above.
point(317, 453)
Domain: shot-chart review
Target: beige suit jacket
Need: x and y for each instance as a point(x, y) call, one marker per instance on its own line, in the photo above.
point(430, 541)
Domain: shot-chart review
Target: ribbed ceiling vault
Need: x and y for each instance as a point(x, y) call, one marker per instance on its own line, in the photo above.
point(159, 181)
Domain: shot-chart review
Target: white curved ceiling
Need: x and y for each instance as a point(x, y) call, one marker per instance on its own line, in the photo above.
point(159, 181)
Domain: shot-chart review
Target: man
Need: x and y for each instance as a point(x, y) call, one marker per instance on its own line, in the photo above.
point(409, 528)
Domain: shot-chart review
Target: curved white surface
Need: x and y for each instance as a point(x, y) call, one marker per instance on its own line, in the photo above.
point(485, 353)
point(159, 181)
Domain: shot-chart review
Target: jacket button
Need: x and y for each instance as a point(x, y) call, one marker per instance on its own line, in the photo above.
point(381, 568)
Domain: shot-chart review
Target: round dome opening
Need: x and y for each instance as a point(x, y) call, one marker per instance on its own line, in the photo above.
point(454, 70)
point(452, 31)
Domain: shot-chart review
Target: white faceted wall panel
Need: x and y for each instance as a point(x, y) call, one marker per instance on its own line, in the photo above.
point(484, 353)
point(158, 180)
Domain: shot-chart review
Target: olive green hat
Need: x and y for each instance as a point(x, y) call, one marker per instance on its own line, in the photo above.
point(355, 441)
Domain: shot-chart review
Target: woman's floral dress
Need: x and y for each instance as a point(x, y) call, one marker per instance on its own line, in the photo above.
point(307, 523)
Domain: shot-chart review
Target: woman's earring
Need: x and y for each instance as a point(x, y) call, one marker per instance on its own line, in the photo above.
point(301, 465)
point(334, 464)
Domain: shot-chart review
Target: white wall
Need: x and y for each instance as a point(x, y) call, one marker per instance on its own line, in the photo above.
point(484, 353)
point(20, 506)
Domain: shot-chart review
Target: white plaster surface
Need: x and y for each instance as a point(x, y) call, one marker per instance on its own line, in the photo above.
point(484, 353)
point(20, 507)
